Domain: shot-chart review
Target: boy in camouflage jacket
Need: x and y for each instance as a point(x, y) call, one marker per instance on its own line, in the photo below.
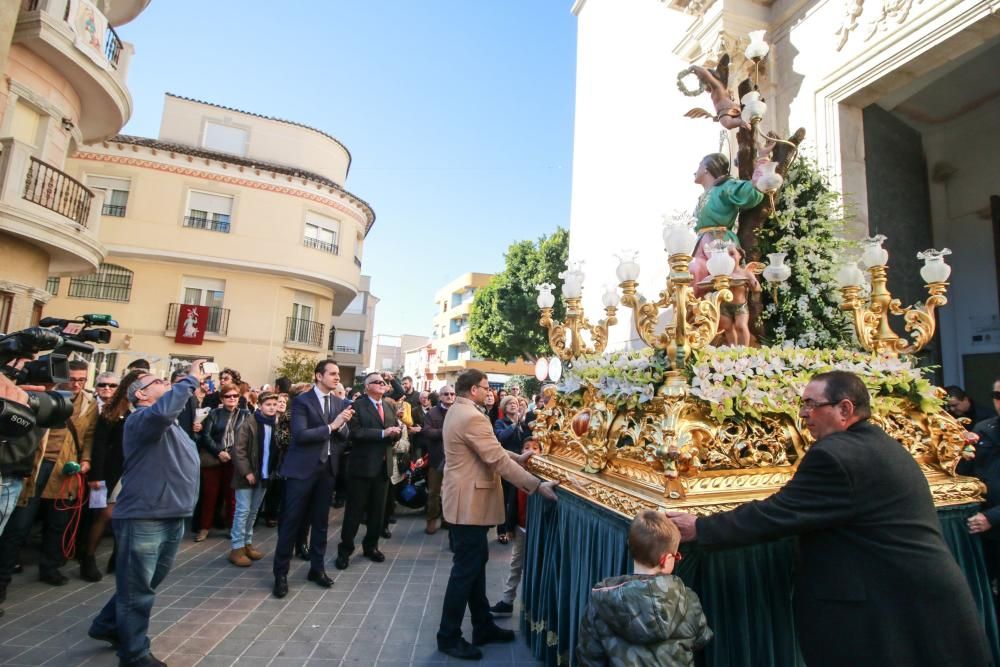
point(646, 619)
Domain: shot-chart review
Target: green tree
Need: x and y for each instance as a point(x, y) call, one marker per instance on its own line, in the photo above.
point(808, 224)
point(296, 366)
point(503, 320)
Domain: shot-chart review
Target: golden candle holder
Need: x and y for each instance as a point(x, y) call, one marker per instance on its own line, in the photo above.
point(870, 316)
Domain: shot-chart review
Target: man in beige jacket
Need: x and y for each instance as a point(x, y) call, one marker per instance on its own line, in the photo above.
point(473, 502)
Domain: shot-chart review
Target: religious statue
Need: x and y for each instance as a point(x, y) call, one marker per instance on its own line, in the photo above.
point(718, 207)
point(716, 83)
point(191, 324)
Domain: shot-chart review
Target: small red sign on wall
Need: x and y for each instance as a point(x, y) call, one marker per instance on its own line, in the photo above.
point(191, 321)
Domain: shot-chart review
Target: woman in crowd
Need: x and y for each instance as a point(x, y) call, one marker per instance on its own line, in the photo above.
point(250, 396)
point(512, 432)
point(106, 462)
point(492, 407)
point(218, 435)
point(254, 463)
point(279, 442)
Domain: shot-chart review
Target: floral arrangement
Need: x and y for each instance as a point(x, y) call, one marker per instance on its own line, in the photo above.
point(750, 382)
point(809, 225)
point(746, 382)
point(628, 378)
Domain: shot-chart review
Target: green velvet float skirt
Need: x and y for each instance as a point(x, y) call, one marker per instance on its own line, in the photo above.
point(746, 593)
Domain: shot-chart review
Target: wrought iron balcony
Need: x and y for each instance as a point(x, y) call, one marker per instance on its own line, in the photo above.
point(217, 322)
point(305, 332)
point(321, 245)
point(112, 47)
point(112, 210)
point(57, 191)
point(215, 225)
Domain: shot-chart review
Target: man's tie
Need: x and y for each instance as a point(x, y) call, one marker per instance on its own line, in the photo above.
point(325, 454)
point(381, 415)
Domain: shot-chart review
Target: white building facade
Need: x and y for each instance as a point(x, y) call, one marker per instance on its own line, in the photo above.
point(897, 98)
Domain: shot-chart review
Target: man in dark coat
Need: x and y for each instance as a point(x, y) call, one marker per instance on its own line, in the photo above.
point(986, 467)
point(431, 439)
point(319, 434)
point(876, 584)
point(374, 429)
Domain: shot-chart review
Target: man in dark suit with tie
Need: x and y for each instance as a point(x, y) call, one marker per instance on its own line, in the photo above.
point(373, 430)
point(319, 435)
point(874, 574)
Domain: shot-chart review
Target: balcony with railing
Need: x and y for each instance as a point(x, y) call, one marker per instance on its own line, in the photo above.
point(325, 246)
point(48, 207)
point(57, 191)
point(218, 223)
point(74, 38)
point(113, 210)
point(303, 332)
point(217, 323)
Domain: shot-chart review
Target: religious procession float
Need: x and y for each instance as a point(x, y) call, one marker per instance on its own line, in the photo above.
point(705, 415)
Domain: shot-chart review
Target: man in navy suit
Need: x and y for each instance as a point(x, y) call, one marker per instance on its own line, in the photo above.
point(374, 428)
point(319, 435)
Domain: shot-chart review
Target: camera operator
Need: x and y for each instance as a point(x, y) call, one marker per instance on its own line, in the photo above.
point(16, 458)
point(43, 486)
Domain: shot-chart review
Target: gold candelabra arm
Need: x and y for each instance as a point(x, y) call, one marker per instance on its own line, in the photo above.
point(644, 315)
point(599, 331)
point(704, 325)
point(920, 321)
point(557, 335)
point(864, 320)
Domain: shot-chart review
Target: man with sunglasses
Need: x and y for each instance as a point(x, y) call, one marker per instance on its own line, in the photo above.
point(874, 571)
point(105, 387)
point(431, 440)
point(473, 502)
point(159, 489)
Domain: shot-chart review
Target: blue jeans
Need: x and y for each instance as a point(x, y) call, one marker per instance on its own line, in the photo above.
point(247, 505)
point(146, 550)
point(10, 489)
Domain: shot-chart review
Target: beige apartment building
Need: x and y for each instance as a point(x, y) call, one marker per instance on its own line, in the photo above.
point(351, 345)
point(244, 214)
point(63, 87)
point(449, 352)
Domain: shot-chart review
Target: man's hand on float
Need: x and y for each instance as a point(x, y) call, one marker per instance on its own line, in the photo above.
point(685, 524)
point(548, 490)
point(978, 523)
point(522, 459)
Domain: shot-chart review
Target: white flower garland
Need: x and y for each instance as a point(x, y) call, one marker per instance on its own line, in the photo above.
point(684, 89)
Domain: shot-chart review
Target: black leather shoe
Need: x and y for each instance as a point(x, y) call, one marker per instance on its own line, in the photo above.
point(110, 637)
point(280, 586)
point(148, 660)
point(386, 533)
point(89, 570)
point(342, 562)
point(55, 578)
point(319, 578)
point(374, 555)
point(302, 551)
point(492, 634)
point(461, 650)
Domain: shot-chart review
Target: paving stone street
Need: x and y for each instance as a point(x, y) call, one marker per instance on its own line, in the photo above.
point(210, 613)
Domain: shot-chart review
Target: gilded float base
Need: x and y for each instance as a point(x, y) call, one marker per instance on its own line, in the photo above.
point(713, 492)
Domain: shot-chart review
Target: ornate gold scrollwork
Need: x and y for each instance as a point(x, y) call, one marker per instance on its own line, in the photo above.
point(564, 337)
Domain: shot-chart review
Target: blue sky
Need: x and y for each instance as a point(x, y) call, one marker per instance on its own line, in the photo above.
point(458, 115)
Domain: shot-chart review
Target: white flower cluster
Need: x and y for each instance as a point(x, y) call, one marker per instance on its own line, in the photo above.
point(621, 377)
point(757, 381)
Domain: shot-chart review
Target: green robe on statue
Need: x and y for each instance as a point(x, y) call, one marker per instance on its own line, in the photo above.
point(719, 206)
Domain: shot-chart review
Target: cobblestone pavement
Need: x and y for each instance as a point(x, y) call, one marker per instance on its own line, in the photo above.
point(210, 613)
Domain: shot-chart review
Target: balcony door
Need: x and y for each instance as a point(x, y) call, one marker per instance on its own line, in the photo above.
point(206, 292)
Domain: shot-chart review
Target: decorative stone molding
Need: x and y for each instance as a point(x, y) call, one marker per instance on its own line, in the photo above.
point(891, 13)
point(693, 7)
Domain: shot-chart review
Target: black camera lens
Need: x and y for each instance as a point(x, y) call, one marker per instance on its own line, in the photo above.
point(51, 408)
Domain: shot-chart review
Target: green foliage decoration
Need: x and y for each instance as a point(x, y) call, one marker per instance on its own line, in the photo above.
point(809, 225)
point(503, 320)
